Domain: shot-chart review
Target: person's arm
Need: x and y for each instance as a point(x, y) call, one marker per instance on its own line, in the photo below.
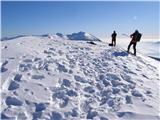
point(132, 35)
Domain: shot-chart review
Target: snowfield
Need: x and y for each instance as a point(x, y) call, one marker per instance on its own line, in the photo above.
point(147, 47)
point(50, 78)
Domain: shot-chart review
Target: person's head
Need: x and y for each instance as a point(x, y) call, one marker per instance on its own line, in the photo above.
point(114, 31)
point(136, 31)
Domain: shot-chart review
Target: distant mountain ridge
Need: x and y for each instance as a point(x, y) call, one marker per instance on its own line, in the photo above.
point(9, 38)
point(74, 36)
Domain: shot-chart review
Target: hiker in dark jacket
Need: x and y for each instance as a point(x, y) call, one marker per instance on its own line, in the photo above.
point(135, 38)
point(114, 34)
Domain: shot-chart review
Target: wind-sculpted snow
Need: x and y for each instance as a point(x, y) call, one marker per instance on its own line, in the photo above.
point(52, 79)
point(82, 36)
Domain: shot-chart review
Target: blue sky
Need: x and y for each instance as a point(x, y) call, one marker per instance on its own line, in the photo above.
point(98, 18)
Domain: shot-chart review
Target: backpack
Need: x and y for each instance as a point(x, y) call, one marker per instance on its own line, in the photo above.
point(139, 37)
point(110, 44)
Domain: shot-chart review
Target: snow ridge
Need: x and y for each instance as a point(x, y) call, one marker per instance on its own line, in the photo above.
point(59, 36)
point(82, 36)
point(55, 78)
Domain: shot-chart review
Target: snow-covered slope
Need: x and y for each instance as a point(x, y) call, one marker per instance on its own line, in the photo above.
point(51, 79)
point(150, 48)
point(82, 36)
point(147, 47)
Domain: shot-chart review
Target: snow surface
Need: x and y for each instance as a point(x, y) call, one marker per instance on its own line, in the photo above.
point(145, 46)
point(49, 78)
point(82, 36)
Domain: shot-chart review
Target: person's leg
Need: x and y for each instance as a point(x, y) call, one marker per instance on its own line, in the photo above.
point(114, 42)
point(129, 46)
point(134, 48)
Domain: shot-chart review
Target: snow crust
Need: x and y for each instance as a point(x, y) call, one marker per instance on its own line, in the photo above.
point(53, 79)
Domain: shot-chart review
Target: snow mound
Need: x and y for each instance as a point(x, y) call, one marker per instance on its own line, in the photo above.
point(44, 78)
point(62, 36)
point(82, 36)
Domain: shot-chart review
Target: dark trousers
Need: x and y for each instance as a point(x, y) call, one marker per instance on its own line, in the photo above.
point(114, 42)
point(134, 47)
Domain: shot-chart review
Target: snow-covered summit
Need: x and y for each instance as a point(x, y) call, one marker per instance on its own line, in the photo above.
point(53, 79)
point(82, 36)
point(74, 36)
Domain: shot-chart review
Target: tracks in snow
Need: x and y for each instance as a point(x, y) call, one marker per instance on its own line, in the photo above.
point(86, 82)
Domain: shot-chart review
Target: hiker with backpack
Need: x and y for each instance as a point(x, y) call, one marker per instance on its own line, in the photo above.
point(114, 34)
point(136, 36)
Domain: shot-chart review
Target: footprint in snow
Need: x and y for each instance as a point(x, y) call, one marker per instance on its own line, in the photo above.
point(80, 79)
point(38, 77)
point(115, 90)
point(136, 93)
point(103, 118)
point(148, 92)
point(99, 86)
point(13, 85)
point(72, 93)
point(62, 68)
point(40, 107)
point(106, 93)
point(122, 54)
point(62, 99)
point(111, 76)
point(70, 71)
point(3, 69)
point(116, 83)
point(85, 106)
point(106, 82)
point(56, 116)
point(127, 78)
point(128, 99)
point(121, 114)
point(18, 77)
point(5, 117)
point(89, 89)
point(60, 52)
point(25, 67)
point(73, 113)
point(13, 101)
point(37, 59)
point(65, 82)
point(37, 115)
point(52, 49)
point(27, 60)
point(91, 114)
point(47, 52)
point(5, 63)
